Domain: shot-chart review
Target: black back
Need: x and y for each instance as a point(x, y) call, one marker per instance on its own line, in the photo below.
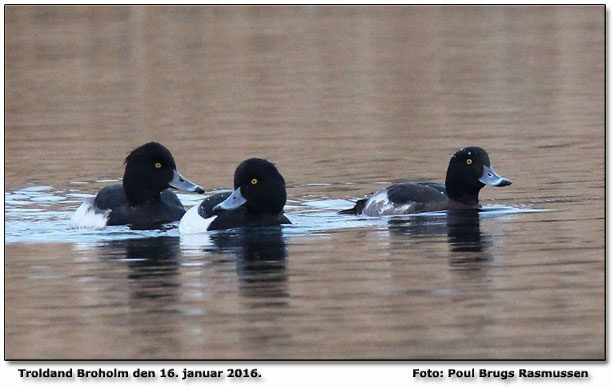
point(242, 217)
point(167, 208)
point(424, 192)
point(205, 209)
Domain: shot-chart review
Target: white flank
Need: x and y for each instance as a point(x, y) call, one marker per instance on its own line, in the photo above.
point(380, 204)
point(87, 216)
point(192, 222)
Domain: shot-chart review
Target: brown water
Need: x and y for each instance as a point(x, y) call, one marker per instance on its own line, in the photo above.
point(345, 100)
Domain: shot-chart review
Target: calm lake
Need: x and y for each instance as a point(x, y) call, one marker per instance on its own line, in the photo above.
point(345, 101)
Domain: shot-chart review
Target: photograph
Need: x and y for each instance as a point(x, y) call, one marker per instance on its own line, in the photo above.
point(271, 183)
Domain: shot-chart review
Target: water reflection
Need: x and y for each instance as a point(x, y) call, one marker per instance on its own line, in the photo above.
point(261, 265)
point(467, 244)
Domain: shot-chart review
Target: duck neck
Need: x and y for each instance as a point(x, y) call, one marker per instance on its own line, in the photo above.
point(462, 191)
point(136, 188)
point(270, 204)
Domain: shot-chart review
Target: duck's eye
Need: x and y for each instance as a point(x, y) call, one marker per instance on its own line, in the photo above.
point(469, 161)
point(254, 181)
point(158, 165)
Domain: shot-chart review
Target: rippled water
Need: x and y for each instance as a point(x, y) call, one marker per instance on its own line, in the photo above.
point(345, 101)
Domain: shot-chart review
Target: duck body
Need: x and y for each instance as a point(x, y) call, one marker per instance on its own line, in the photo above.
point(257, 200)
point(469, 170)
point(143, 200)
point(156, 210)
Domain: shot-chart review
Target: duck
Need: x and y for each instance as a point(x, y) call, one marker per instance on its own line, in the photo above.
point(258, 199)
point(469, 170)
point(144, 199)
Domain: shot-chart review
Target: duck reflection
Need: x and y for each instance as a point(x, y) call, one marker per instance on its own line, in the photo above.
point(153, 297)
point(467, 244)
point(261, 266)
point(261, 255)
point(419, 225)
point(466, 240)
point(153, 264)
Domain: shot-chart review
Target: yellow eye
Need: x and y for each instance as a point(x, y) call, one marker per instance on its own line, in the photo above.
point(158, 165)
point(469, 161)
point(254, 181)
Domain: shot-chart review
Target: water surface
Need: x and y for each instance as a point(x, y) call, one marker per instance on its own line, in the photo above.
point(345, 101)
